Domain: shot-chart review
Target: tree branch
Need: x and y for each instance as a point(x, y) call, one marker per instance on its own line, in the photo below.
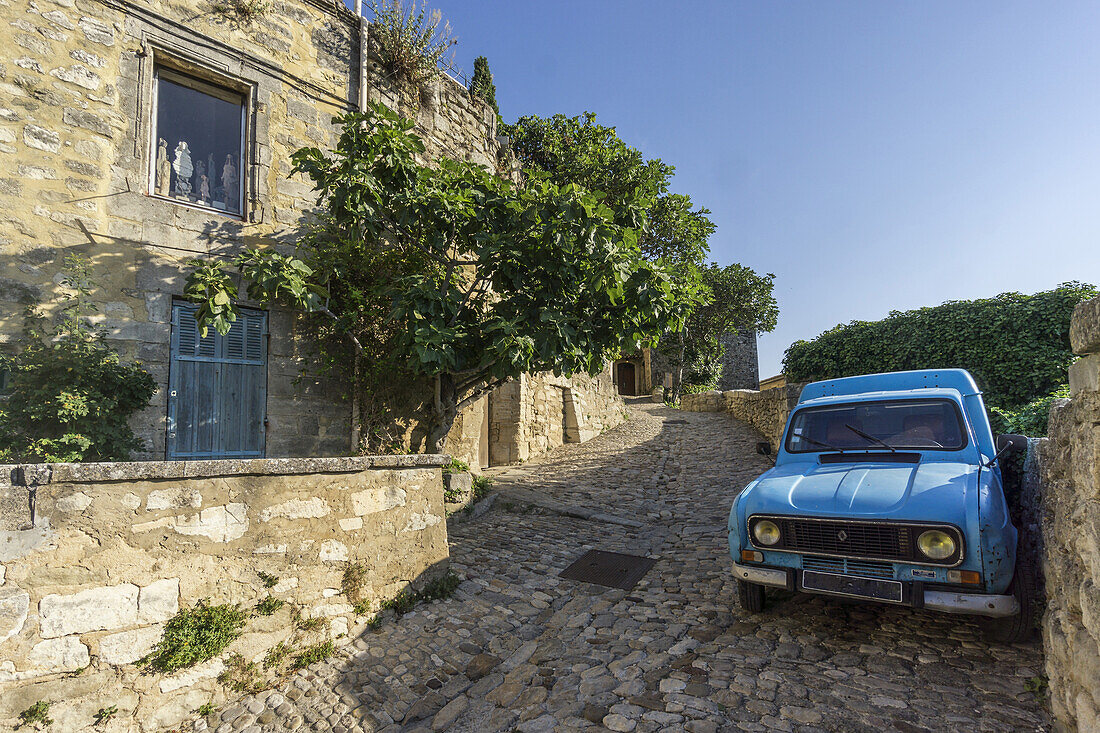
point(480, 391)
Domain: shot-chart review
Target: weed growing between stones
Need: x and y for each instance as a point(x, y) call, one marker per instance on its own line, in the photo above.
point(269, 580)
point(207, 708)
point(276, 654)
point(305, 624)
point(269, 605)
point(1037, 686)
point(241, 11)
point(437, 589)
point(241, 675)
point(105, 714)
point(315, 653)
point(355, 574)
point(194, 635)
point(37, 714)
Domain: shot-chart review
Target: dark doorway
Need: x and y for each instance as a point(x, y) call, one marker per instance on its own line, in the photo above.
point(625, 378)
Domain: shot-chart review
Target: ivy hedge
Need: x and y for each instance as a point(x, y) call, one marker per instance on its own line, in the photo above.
point(1015, 345)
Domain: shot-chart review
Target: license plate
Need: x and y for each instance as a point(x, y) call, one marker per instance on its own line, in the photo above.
point(851, 585)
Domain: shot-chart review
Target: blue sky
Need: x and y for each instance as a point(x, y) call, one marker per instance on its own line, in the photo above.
point(873, 155)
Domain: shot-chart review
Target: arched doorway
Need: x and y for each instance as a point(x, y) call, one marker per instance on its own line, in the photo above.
point(625, 378)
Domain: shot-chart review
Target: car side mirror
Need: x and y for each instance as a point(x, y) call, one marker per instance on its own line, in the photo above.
point(1009, 443)
point(764, 448)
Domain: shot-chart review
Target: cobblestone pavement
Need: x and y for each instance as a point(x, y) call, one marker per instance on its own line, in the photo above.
point(518, 648)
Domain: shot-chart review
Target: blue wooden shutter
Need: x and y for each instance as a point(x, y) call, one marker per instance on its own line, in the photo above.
point(217, 388)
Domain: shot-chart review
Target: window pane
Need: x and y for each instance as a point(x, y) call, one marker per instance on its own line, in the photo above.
point(198, 145)
point(915, 424)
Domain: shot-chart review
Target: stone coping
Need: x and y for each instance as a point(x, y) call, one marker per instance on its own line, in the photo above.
point(43, 473)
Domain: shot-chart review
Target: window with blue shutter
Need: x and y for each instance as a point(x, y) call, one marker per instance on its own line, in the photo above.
point(217, 388)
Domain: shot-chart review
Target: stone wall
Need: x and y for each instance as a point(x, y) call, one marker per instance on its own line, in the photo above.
point(536, 413)
point(97, 558)
point(1070, 469)
point(740, 365)
point(766, 411)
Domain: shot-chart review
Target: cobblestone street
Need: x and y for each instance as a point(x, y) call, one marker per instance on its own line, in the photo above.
point(518, 648)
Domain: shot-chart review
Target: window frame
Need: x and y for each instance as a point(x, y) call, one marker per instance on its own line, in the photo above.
point(215, 85)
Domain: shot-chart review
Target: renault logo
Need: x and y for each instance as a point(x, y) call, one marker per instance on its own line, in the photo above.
point(842, 535)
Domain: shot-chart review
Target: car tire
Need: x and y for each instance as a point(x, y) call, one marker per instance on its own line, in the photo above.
point(751, 596)
point(1014, 629)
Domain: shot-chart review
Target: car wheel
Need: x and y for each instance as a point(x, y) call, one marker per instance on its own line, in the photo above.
point(751, 596)
point(1013, 629)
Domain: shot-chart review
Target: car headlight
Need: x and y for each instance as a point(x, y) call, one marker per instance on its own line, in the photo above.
point(936, 545)
point(766, 532)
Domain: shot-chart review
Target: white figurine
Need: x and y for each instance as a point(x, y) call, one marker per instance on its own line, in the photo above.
point(181, 164)
point(229, 182)
point(200, 173)
point(164, 169)
point(204, 187)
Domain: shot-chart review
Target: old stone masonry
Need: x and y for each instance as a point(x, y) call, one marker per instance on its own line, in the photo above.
point(518, 648)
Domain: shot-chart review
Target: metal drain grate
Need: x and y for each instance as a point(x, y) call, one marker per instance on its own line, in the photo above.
point(612, 569)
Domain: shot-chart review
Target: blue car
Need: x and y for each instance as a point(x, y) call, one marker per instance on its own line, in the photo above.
point(887, 488)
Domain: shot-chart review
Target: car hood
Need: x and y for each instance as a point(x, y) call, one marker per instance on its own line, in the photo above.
point(921, 491)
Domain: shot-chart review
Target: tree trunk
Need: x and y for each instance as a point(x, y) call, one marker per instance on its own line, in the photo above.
point(446, 410)
point(678, 383)
point(356, 409)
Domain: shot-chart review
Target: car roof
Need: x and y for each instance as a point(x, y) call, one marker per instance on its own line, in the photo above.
point(883, 395)
point(957, 381)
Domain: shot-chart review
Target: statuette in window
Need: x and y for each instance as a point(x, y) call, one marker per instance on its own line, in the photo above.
point(164, 169)
point(229, 182)
point(200, 173)
point(181, 164)
point(204, 188)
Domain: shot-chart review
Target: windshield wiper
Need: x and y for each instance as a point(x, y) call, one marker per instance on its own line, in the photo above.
point(822, 444)
point(872, 438)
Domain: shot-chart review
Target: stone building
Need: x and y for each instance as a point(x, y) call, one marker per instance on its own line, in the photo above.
point(141, 134)
point(646, 370)
point(740, 364)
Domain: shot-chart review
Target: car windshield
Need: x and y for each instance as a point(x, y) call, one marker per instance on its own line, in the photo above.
point(912, 424)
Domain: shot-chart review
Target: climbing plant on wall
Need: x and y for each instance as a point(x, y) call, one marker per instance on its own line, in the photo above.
point(1015, 345)
point(70, 398)
point(453, 274)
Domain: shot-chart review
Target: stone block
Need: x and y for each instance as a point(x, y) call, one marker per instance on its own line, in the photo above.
point(175, 498)
point(312, 508)
point(218, 523)
point(192, 676)
point(333, 551)
point(14, 607)
point(109, 607)
point(418, 522)
point(1084, 328)
point(1084, 375)
point(66, 654)
point(159, 601)
point(377, 500)
point(127, 647)
point(73, 503)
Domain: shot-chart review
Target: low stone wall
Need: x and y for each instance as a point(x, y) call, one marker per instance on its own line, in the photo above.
point(766, 411)
point(1070, 469)
point(95, 558)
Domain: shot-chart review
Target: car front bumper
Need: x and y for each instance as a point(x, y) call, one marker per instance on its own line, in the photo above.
point(978, 604)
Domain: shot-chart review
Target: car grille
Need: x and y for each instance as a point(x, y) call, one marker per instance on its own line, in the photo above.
point(842, 538)
point(864, 568)
point(847, 538)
